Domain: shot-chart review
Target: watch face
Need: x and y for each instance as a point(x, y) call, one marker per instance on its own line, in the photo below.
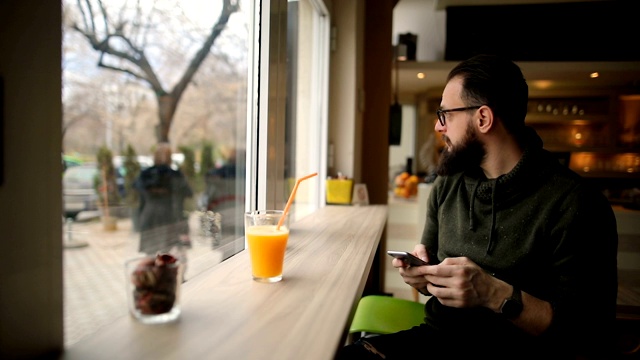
point(511, 308)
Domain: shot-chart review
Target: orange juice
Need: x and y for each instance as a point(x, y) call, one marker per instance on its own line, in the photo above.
point(267, 246)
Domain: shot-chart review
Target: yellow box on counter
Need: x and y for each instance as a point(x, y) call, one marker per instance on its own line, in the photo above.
point(339, 191)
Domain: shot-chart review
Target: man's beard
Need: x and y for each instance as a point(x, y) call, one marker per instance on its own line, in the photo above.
point(466, 155)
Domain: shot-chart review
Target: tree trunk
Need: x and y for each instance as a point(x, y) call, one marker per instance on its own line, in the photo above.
point(166, 109)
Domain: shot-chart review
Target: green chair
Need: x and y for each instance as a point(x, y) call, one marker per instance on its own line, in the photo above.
point(379, 314)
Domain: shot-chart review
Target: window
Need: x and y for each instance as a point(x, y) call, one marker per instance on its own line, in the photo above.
point(294, 125)
point(142, 82)
point(223, 120)
point(306, 113)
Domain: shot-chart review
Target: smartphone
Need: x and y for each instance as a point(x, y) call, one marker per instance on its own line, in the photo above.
point(407, 258)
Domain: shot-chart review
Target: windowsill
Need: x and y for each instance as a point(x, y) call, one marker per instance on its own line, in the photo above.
point(227, 314)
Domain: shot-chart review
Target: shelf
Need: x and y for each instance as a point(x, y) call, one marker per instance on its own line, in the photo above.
point(596, 131)
point(608, 175)
point(575, 120)
point(609, 150)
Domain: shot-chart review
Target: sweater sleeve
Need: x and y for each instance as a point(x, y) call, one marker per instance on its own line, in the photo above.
point(430, 232)
point(585, 269)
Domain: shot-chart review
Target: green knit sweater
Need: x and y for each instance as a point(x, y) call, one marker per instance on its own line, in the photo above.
point(540, 228)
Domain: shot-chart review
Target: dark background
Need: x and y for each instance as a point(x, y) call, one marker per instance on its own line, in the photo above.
point(591, 31)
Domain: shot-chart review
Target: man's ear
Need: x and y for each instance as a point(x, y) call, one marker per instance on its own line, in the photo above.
point(485, 119)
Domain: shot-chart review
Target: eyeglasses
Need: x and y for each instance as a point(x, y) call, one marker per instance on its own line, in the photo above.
point(441, 112)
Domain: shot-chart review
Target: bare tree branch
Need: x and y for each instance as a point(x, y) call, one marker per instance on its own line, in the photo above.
point(117, 43)
point(228, 8)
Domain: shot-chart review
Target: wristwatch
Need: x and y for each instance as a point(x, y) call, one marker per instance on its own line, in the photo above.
point(512, 306)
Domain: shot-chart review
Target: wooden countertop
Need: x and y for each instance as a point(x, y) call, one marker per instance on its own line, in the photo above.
point(227, 315)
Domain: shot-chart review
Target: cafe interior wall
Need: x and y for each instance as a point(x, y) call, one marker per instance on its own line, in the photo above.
point(345, 88)
point(358, 95)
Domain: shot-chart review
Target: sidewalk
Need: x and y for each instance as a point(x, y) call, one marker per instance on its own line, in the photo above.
point(94, 277)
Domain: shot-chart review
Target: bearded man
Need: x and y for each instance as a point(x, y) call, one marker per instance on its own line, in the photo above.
point(522, 252)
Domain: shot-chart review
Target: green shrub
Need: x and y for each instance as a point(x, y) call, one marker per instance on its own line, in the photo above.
point(105, 182)
point(206, 163)
point(131, 173)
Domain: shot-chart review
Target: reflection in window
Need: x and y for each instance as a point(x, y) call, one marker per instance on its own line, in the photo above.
point(137, 74)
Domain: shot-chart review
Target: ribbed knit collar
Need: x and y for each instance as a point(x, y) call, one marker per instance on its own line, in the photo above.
point(521, 174)
point(494, 190)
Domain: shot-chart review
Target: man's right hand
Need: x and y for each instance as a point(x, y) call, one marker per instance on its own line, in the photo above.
point(411, 275)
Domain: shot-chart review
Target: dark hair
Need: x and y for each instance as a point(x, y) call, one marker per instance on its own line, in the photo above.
point(498, 83)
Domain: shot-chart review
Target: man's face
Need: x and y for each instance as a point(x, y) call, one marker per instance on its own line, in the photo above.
point(463, 149)
point(467, 153)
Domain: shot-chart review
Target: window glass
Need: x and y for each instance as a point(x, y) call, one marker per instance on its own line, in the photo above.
point(305, 137)
point(139, 77)
point(136, 75)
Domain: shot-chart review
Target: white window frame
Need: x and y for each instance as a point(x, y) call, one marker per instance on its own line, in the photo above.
point(266, 116)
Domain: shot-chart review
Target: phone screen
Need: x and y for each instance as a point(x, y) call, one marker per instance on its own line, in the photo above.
point(407, 258)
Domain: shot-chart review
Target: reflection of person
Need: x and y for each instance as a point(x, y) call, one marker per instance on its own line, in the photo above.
point(221, 181)
point(163, 224)
point(522, 251)
point(225, 194)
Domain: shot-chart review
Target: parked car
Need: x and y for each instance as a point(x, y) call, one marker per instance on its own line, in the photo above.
point(70, 161)
point(78, 192)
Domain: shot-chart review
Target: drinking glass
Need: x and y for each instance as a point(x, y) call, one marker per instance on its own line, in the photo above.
point(153, 288)
point(267, 243)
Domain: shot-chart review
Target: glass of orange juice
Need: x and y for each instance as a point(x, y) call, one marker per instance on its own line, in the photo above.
point(267, 243)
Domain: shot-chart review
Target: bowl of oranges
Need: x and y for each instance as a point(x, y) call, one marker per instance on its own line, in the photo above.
point(406, 185)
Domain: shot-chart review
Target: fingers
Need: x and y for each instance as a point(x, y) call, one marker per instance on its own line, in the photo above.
point(413, 277)
point(421, 252)
point(457, 282)
point(447, 296)
point(397, 263)
point(462, 260)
